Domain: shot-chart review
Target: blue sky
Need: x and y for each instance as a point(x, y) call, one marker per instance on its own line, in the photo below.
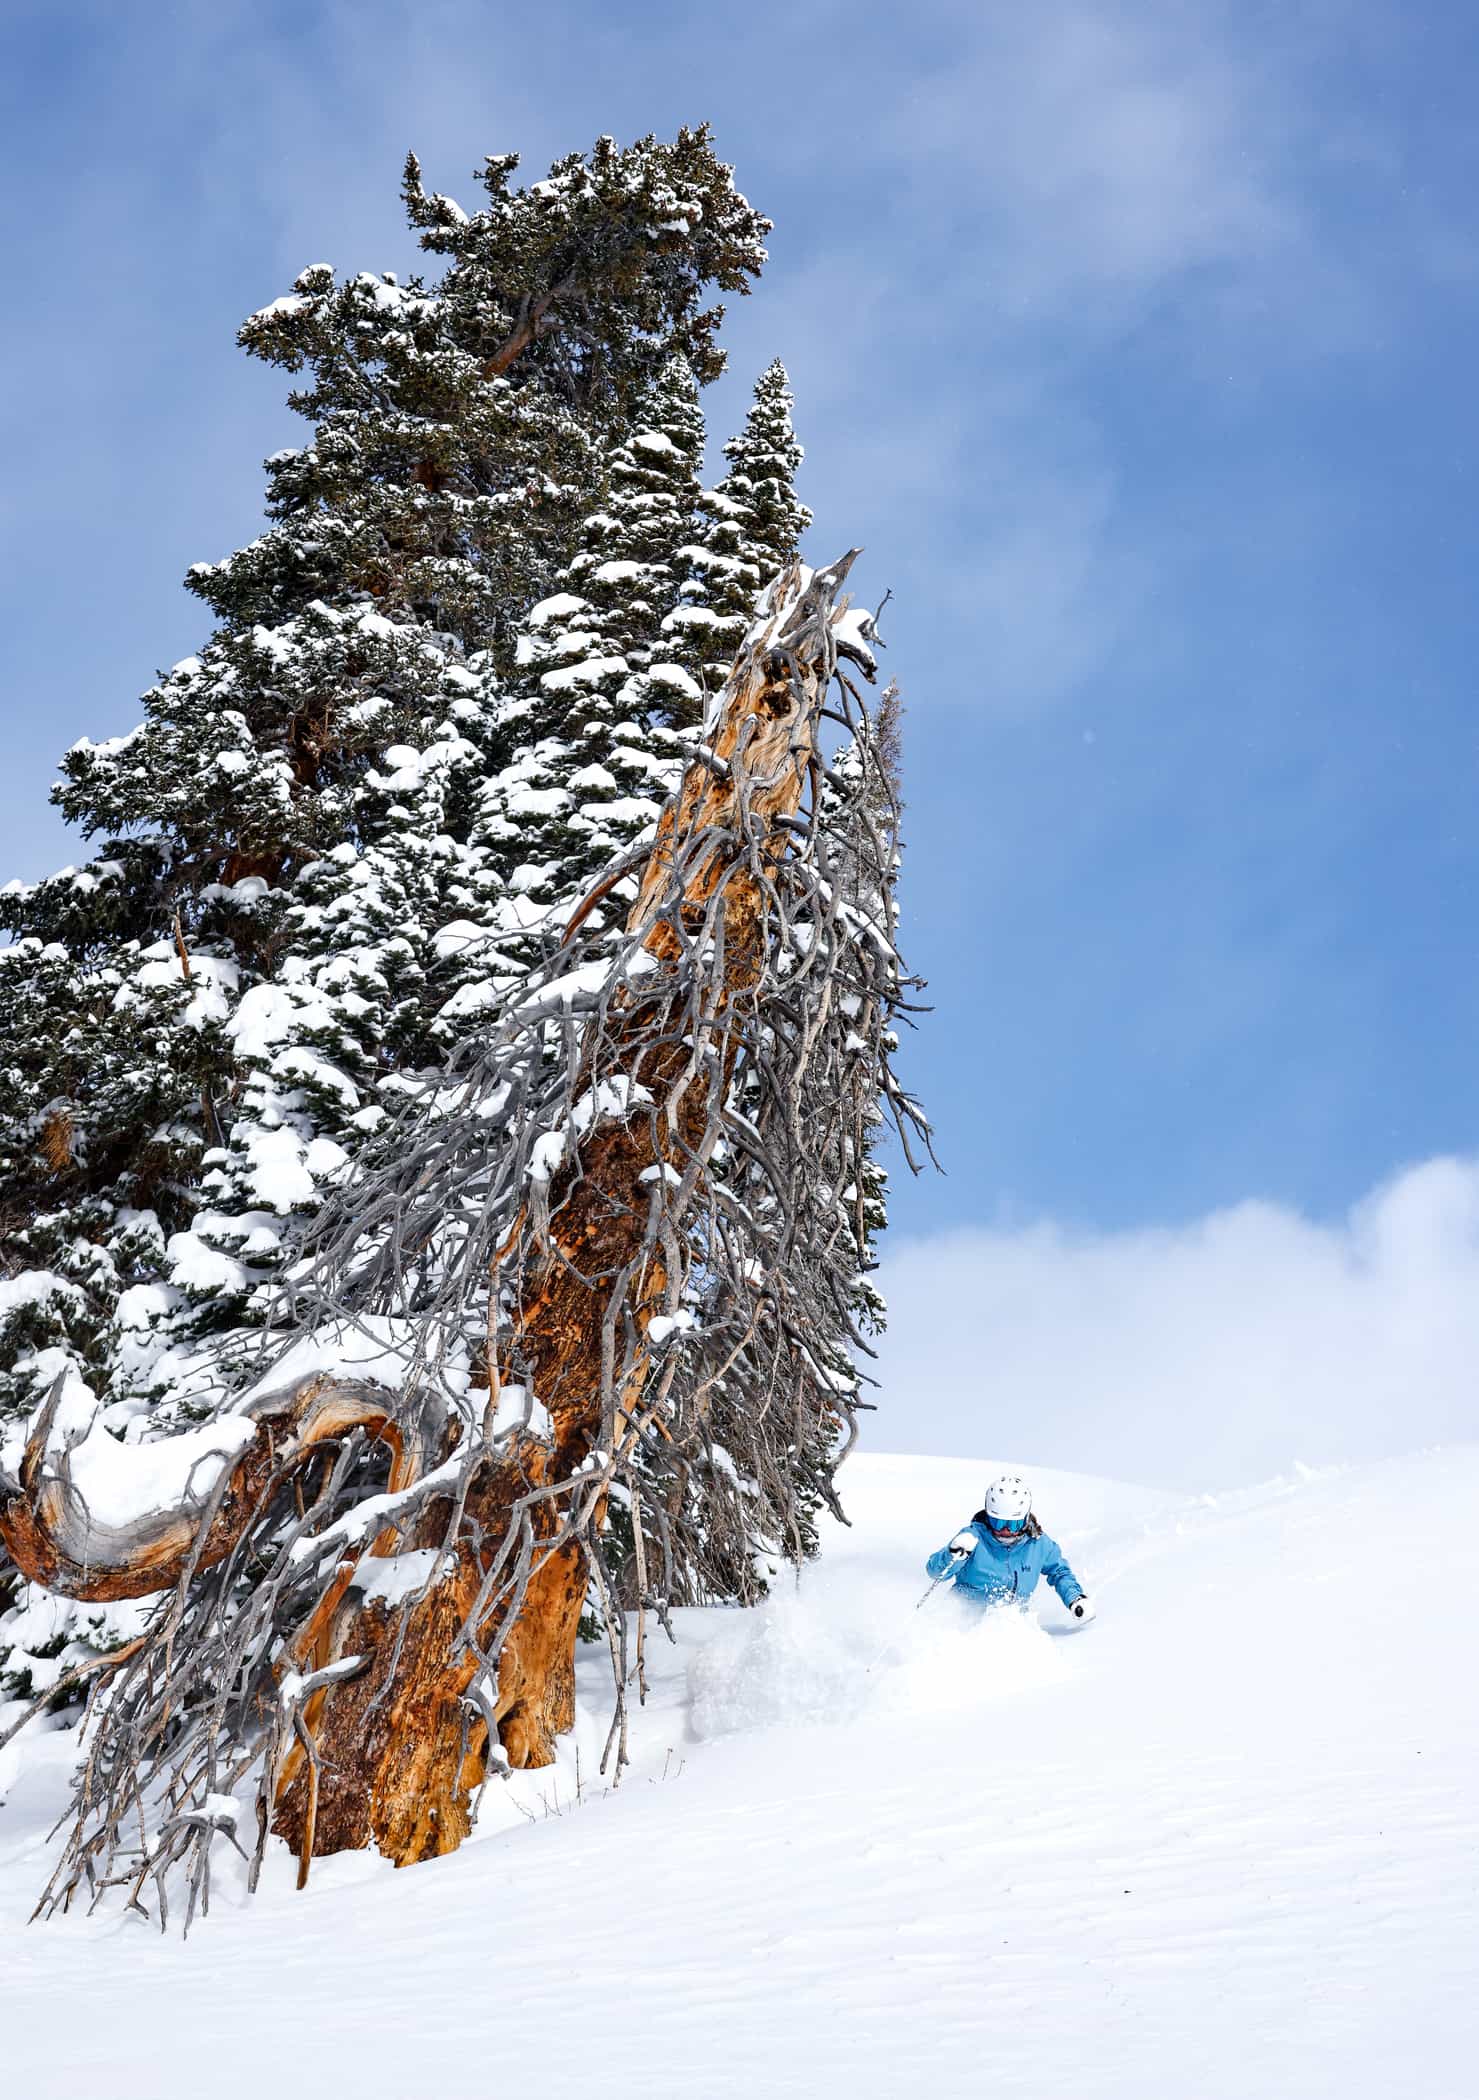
point(1136, 345)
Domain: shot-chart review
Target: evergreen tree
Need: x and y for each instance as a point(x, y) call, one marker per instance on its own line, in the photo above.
point(197, 1028)
point(753, 525)
point(459, 434)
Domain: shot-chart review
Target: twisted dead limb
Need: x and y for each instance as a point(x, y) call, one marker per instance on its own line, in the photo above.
point(631, 1186)
point(57, 1541)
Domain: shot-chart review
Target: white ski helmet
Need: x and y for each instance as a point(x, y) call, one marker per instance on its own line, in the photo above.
point(1009, 1500)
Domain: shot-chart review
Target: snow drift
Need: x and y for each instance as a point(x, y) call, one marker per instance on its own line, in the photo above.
point(1225, 1841)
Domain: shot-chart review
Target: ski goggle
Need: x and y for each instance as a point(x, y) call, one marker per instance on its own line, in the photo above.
point(1007, 1527)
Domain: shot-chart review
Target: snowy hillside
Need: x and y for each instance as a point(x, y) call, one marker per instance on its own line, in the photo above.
point(1224, 1842)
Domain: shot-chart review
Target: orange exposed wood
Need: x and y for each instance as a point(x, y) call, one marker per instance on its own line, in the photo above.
point(56, 1139)
point(53, 1542)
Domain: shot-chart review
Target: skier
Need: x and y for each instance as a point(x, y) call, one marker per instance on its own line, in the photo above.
point(1001, 1553)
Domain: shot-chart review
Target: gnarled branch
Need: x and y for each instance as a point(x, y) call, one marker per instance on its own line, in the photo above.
point(56, 1540)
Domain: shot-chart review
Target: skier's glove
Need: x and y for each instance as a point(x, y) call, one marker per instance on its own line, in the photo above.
point(963, 1545)
point(1082, 1610)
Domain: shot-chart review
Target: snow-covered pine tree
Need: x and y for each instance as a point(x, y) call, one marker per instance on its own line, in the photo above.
point(613, 669)
point(195, 1024)
point(752, 527)
point(109, 1060)
point(460, 433)
point(757, 496)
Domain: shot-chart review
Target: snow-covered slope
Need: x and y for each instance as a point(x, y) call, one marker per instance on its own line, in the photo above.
point(1224, 1842)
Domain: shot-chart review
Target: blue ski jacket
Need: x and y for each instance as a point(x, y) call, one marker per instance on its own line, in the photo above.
point(995, 1571)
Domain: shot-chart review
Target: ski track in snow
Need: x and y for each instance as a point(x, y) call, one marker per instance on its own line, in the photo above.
point(1225, 1842)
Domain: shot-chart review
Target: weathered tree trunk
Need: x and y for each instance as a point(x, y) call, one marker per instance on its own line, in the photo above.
point(392, 1753)
point(764, 747)
point(414, 1799)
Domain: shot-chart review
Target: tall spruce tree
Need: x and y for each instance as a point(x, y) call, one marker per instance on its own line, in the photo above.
point(196, 1027)
point(750, 527)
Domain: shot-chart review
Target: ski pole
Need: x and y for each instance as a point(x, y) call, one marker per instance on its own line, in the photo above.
point(868, 1668)
point(945, 1577)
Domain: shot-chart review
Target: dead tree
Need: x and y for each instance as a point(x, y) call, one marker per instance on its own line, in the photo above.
point(373, 1605)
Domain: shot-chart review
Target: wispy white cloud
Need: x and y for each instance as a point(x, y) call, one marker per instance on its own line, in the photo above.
point(1200, 1356)
point(1088, 200)
point(1090, 149)
point(1062, 179)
